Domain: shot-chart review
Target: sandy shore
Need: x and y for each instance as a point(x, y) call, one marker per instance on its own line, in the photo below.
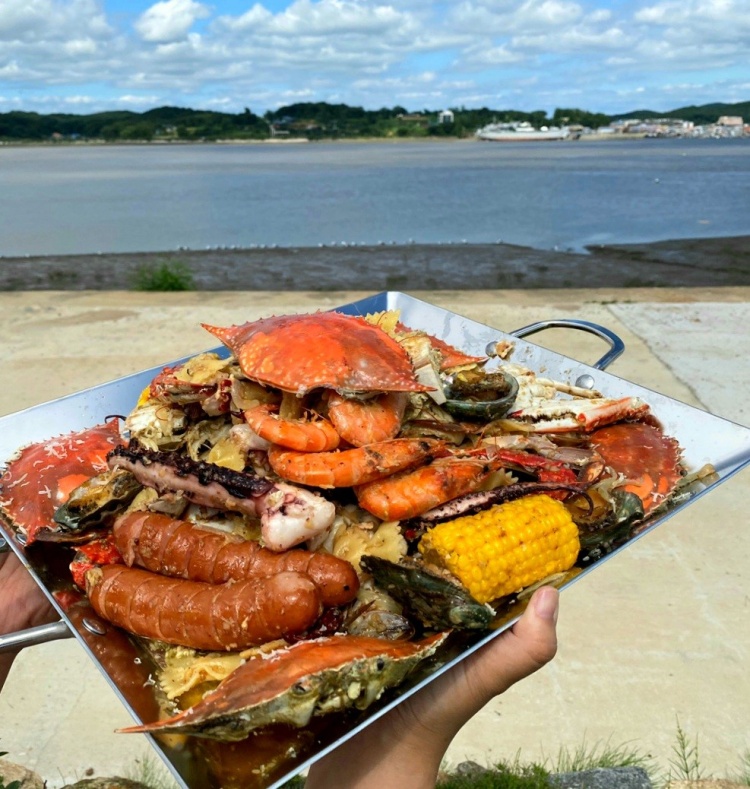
point(711, 262)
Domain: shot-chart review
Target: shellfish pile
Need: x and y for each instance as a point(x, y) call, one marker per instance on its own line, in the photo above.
point(254, 522)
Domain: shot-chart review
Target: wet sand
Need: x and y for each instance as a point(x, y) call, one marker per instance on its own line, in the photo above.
point(709, 262)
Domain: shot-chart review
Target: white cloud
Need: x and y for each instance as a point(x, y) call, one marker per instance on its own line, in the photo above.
point(169, 20)
point(374, 52)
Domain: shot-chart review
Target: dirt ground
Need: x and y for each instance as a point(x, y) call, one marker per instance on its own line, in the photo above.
point(710, 262)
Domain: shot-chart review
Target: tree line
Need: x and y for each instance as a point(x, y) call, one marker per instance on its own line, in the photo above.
point(308, 120)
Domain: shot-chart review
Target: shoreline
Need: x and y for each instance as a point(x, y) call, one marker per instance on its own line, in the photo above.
point(593, 137)
point(696, 262)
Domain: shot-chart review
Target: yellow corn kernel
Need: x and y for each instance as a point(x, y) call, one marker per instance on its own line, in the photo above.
point(505, 548)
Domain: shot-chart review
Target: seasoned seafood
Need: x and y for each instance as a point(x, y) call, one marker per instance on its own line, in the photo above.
point(351, 467)
point(291, 685)
point(304, 435)
point(288, 515)
point(44, 474)
point(348, 354)
point(308, 517)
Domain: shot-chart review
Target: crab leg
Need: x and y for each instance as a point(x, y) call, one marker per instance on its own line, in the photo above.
point(560, 416)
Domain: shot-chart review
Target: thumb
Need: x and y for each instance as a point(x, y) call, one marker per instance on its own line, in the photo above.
point(520, 651)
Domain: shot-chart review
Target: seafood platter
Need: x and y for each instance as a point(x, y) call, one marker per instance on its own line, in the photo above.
point(266, 546)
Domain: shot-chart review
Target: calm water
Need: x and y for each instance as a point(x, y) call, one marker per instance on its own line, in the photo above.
point(544, 195)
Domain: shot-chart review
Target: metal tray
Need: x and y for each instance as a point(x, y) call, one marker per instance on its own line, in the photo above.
point(704, 438)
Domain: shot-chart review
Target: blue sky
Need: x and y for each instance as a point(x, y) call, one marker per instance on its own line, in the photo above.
point(608, 56)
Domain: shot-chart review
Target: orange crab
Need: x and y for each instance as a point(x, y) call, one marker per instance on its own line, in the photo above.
point(298, 353)
point(292, 684)
point(644, 456)
point(43, 475)
point(364, 370)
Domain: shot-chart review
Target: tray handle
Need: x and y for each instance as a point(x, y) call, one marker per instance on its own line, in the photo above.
point(616, 345)
point(12, 642)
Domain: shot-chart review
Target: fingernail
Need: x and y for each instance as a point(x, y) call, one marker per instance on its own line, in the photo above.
point(546, 603)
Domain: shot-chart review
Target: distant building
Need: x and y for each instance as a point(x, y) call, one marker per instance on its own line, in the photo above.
point(730, 120)
point(445, 116)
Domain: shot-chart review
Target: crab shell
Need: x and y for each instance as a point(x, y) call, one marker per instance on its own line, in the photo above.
point(649, 460)
point(43, 475)
point(297, 353)
point(291, 685)
point(449, 356)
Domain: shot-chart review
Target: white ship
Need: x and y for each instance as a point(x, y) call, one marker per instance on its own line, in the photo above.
point(522, 131)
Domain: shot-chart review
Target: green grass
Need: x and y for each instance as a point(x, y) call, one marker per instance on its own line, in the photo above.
point(685, 762)
point(164, 276)
point(517, 775)
point(504, 775)
point(601, 755)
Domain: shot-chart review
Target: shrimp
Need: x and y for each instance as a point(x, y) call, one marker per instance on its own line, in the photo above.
point(349, 467)
point(304, 435)
point(410, 493)
point(362, 422)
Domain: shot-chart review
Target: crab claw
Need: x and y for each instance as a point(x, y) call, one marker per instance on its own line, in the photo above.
point(560, 416)
point(293, 684)
point(297, 353)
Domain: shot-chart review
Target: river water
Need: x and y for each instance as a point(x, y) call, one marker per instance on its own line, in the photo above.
point(83, 199)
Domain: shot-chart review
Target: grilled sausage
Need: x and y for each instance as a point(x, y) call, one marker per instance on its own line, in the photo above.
point(229, 616)
point(181, 549)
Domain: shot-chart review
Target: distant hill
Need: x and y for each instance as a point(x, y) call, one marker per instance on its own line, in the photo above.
point(701, 115)
point(309, 120)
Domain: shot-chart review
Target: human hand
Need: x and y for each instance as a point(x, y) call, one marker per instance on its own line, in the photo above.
point(405, 747)
point(23, 604)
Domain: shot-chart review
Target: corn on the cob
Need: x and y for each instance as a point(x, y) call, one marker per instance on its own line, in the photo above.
point(505, 548)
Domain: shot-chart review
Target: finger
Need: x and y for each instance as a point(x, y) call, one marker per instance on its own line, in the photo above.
point(520, 651)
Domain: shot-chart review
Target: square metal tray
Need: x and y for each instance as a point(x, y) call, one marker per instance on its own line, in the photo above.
point(704, 438)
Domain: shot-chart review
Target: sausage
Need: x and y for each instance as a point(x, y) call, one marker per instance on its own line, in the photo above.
point(212, 617)
point(181, 549)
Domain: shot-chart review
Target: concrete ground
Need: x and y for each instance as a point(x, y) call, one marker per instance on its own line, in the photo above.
point(655, 640)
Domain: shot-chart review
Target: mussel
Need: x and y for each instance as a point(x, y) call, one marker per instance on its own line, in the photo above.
point(92, 504)
point(482, 395)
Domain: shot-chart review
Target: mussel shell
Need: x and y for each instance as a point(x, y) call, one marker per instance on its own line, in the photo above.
point(599, 539)
point(436, 602)
point(93, 503)
point(468, 400)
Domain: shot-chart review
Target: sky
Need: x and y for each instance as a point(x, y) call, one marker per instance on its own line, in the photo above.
point(610, 56)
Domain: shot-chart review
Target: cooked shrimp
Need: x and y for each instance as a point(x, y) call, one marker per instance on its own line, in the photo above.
point(410, 493)
point(362, 422)
point(304, 435)
point(349, 467)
